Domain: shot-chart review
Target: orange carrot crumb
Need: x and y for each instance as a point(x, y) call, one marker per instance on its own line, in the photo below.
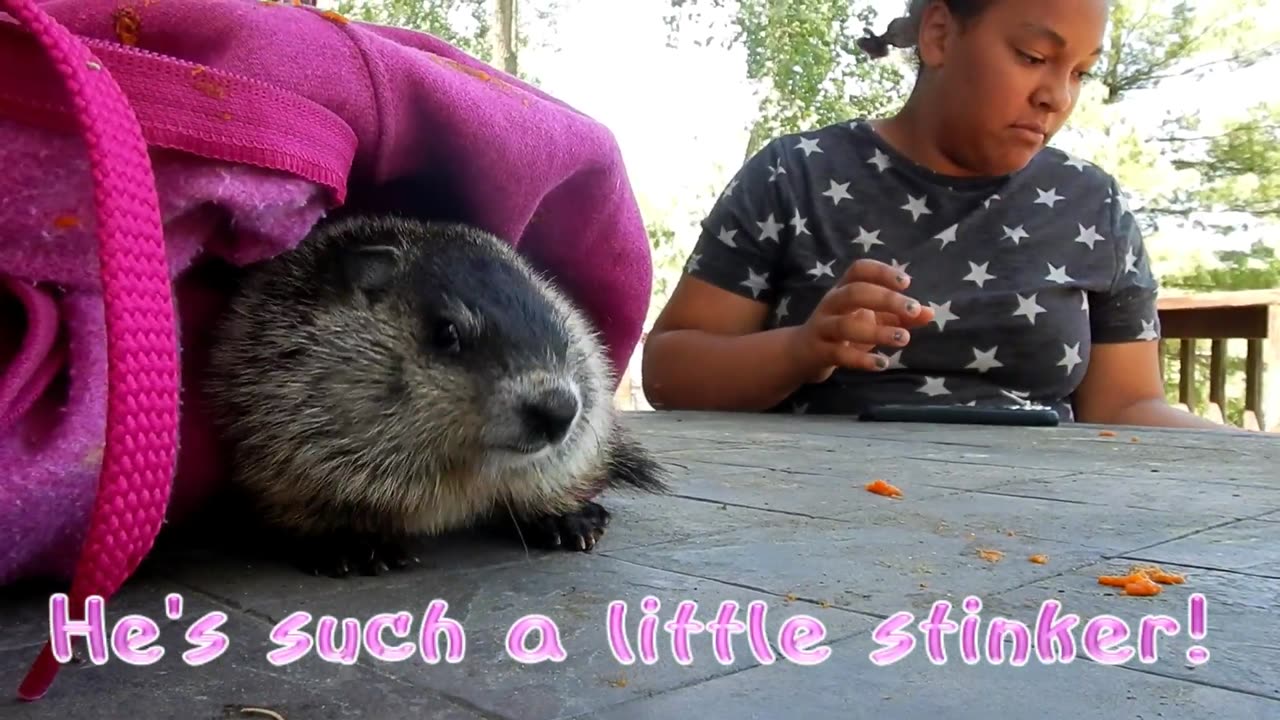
point(880, 487)
point(991, 555)
point(1142, 580)
point(66, 222)
point(1143, 587)
point(1107, 433)
point(127, 25)
point(335, 17)
point(1039, 559)
point(1133, 439)
point(226, 116)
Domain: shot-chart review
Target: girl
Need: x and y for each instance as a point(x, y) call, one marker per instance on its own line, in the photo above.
point(944, 255)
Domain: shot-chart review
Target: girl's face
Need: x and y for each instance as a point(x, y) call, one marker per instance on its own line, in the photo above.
point(1008, 82)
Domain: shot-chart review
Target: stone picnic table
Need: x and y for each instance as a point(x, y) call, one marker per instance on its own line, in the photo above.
point(766, 509)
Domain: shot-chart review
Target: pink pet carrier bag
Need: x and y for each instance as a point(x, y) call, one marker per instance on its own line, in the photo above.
point(139, 136)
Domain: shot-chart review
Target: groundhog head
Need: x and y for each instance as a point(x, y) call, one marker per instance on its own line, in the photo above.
point(388, 349)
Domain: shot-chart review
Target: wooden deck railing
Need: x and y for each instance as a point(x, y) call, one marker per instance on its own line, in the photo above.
point(1249, 316)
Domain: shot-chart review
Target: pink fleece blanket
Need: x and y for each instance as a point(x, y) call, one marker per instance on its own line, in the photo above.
point(504, 155)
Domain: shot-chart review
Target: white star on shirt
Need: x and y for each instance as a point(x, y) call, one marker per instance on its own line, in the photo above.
point(978, 274)
point(1075, 162)
point(775, 171)
point(1130, 262)
point(898, 267)
point(880, 160)
point(867, 238)
point(838, 192)
point(1028, 307)
point(782, 308)
point(757, 283)
point(726, 236)
point(984, 360)
point(732, 184)
point(1084, 300)
point(1017, 234)
point(1058, 274)
point(809, 146)
point(1148, 331)
point(692, 265)
point(1070, 357)
point(934, 386)
point(916, 206)
point(1088, 235)
point(947, 236)
point(895, 360)
point(769, 228)
point(942, 314)
point(987, 203)
point(1049, 198)
point(799, 224)
point(819, 269)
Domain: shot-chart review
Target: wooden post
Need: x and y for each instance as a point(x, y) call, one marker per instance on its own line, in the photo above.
point(1269, 399)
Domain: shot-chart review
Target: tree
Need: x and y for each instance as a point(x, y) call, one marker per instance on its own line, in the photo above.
point(1185, 170)
point(491, 30)
point(803, 56)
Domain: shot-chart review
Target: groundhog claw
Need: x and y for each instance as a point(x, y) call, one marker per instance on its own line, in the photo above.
point(340, 556)
point(578, 530)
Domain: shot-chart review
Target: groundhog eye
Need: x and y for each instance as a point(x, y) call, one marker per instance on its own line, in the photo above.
point(446, 336)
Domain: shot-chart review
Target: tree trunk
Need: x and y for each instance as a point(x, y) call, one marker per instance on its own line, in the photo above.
point(506, 36)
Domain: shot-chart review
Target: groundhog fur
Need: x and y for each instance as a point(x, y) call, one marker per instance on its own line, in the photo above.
point(393, 378)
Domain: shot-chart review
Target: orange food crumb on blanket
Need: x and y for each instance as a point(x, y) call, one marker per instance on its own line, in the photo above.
point(127, 25)
point(1039, 559)
point(1107, 433)
point(991, 555)
point(880, 487)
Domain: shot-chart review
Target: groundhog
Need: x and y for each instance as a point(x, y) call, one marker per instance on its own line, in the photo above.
point(394, 377)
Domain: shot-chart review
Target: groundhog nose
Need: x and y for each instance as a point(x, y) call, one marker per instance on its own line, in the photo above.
point(548, 416)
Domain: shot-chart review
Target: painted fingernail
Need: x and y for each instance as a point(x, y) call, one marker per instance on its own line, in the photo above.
point(902, 279)
point(897, 336)
point(882, 361)
point(912, 307)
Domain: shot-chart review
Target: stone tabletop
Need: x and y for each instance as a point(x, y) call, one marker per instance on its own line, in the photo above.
point(770, 527)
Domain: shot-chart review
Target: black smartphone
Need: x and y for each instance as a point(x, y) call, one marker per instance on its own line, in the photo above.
point(962, 414)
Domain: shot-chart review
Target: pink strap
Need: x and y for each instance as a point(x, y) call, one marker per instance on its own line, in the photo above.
point(38, 359)
point(188, 107)
point(142, 355)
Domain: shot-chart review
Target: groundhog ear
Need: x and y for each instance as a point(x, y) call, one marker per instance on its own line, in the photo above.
point(370, 268)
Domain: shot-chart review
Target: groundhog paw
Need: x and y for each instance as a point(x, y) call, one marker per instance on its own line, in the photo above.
point(342, 555)
point(579, 530)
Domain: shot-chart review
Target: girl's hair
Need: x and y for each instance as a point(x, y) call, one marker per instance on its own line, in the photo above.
point(902, 32)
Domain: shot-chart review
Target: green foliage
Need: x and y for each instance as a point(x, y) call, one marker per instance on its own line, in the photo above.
point(803, 57)
point(465, 24)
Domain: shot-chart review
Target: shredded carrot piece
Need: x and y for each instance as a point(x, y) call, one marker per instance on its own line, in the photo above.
point(335, 17)
point(880, 487)
point(1143, 587)
point(1107, 433)
point(66, 222)
point(1142, 580)
point(127, 25)
point(991, 555)
point(1039, 559)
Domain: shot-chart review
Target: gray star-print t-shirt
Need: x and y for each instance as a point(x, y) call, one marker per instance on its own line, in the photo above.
point(1024, 272)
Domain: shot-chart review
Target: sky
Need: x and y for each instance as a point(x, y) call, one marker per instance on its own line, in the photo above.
point(680, 115)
